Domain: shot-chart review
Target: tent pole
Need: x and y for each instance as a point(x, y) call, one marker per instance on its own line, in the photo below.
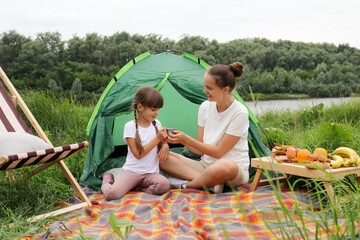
point(271, 144)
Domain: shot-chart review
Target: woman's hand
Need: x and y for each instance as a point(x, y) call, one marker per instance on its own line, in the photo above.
point(177, 137)
point(163, 154)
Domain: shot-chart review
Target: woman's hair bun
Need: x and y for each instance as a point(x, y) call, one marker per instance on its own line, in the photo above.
point(237, 68)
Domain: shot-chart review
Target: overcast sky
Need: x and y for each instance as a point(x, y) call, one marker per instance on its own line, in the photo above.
point(223, 20)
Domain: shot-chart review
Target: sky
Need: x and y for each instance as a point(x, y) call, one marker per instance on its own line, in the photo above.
point(315, 21)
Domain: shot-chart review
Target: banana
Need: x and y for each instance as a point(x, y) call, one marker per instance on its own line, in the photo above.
point(358, 160)
point(338, 161)
point(346, 152)
point(347, 162)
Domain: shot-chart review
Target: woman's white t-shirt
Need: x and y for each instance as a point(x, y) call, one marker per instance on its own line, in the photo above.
point(150, 162)
point(233, 121)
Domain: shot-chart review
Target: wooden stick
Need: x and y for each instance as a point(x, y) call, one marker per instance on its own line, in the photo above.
point(74, 183)
point(24, 108)
point(58, 212)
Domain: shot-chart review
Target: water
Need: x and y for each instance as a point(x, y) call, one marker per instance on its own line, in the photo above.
point(295, 104)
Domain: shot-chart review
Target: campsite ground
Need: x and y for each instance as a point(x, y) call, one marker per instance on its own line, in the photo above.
point(65, 121)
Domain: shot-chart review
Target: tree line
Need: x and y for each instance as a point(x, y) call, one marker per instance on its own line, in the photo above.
point(84, 65)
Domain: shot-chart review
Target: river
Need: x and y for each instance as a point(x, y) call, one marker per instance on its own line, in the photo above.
point(281, 105)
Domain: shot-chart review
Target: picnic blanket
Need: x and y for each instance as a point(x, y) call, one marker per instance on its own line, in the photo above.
point(194, 214)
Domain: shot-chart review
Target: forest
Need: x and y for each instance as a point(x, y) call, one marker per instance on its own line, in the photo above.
point(83, 66)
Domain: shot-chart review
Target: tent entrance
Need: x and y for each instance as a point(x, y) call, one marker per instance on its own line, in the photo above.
point(177, 112)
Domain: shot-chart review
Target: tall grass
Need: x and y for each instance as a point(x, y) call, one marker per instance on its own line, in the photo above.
point(65, 120)
point(311, 127)
point(337, 220)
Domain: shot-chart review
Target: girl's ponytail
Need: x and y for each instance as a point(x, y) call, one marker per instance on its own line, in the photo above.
point(139, 146)
point(157, 131)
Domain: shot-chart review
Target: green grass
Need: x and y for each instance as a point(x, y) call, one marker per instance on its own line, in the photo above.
point(64, 120)
point(342, 215)
point(336, 126)
point(332, 127)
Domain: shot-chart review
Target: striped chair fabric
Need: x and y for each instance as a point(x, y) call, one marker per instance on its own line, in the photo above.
point(40, 156)
point(11, 121)
point(10, 118)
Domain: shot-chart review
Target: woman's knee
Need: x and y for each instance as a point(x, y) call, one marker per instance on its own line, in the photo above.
point(241, 178)
point(172, 158)
point(225, 168)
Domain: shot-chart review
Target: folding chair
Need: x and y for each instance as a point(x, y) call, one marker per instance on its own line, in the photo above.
point(11, 121)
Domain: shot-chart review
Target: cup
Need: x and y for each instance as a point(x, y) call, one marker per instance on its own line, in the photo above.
point(170, 131)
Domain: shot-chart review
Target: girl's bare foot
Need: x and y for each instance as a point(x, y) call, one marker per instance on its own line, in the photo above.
point(108, 178)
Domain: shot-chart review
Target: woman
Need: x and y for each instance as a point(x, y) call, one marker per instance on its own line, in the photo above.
point(221, 137)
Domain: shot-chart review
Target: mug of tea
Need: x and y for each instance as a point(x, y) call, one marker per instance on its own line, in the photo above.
point(170, 131)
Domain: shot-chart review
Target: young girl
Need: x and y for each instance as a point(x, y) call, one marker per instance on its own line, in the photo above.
point(145, 149)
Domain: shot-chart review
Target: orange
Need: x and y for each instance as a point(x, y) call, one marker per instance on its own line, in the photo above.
point(322, 151)
point(302, 156)
point(291, 152)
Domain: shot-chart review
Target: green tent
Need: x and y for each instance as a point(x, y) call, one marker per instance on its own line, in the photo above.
point(179, 78)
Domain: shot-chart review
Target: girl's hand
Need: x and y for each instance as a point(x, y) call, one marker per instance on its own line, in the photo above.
point(163, 154)
point(162, 134)
point(178, 137)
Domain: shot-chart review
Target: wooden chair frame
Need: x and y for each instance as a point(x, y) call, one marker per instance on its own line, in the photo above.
point(17, 100)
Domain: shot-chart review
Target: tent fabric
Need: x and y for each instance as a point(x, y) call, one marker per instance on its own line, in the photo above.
point(185, 73)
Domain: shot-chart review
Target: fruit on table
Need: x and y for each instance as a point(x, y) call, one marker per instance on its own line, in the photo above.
point(347, 162)
point(303, 156)
point(322, 151)
point(346, 152)
point(338, 161)
point(318, 157)
point(316, 165)
point(291, 152)
point(342, 156)
point(358, 161)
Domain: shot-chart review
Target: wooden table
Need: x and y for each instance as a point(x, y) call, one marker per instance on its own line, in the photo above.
point(300, 170)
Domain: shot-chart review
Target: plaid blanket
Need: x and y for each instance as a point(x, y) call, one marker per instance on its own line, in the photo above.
point(193, 214)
